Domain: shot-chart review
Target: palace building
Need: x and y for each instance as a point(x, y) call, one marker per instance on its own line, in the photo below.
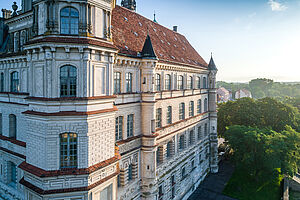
point(100, 103)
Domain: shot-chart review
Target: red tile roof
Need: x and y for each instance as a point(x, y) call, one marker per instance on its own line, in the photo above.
point(130, 29)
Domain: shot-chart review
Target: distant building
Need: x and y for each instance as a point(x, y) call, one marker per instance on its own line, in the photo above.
point(242, 93)
point(223, 95)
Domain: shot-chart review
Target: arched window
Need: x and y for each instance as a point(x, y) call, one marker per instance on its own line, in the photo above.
point(14, 82)
point(117, 83)
point(128, 82)
point(68, 78)
point(204, 82)
point(191, 109)
point(2, 82)
point(180, 83)
point(198, 82)
point(181, 111)
point(169, 115)
point(69, 18)
point(205, 105)
point(168, 82)
point(68, 150)
point(12, 126)
point(157, 82)
point(190, 82)
point(181, 142)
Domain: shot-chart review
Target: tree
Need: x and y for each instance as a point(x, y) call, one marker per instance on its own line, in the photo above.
point(261, 151)
point(260, 113)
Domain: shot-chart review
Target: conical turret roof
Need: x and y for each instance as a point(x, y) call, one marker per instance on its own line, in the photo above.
point(148, 51)
point(212, 65)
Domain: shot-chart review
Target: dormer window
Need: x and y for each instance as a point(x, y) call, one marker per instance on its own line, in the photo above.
point(69, 18)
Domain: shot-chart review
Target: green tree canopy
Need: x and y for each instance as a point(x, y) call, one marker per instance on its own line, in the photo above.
point(260, 113)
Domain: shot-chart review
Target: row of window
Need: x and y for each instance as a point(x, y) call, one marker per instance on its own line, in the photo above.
point(180, 82)
point(12, 132)
point(182, 144)
point(68, 78)
point(119, 127)
point(181, 112)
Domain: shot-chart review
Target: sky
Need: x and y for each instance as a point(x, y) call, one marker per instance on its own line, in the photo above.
point(248, 38)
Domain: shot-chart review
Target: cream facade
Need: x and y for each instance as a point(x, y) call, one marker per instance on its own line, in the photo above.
point(82, 121)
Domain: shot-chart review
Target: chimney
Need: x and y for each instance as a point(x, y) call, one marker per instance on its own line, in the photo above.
point(175, 28)
point(6, 13)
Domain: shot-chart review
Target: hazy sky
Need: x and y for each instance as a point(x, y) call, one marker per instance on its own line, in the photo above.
point(249, 38)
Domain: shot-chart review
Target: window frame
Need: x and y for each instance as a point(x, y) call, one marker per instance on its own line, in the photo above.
point(180, 81)
point(191, 109)
point(128, 77)
point(12, 126)
point(204, 83)
point(169, 115)
point(190, 84)
point(15, 81)
point(199, 106)
point(69, 81)
point(168, 82)
point(68, 19)
point(157, 82)
point(198, 82)
point(181, 111)
point(119, 128)
point(130, 125)
point(2, 82)
point(205, 105)
point(68, 150)
point(117, 82)
point(192, 137)
point(181, 145)
point(158, 118)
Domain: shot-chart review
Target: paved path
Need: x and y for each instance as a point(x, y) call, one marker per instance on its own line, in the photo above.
point(213, 185)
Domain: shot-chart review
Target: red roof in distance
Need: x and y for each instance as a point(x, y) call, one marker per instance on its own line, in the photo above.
point(129, 31)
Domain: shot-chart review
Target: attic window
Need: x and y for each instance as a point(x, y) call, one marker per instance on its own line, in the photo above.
point(175, 38)
point(140, 24)
point(136, 34)
point(175, 45)
point(183, 48)
point(126, 19)
point(154, 29)
point(182, 59)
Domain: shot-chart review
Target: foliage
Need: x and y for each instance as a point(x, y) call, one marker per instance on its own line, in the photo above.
point(263, 87)
point(259, 152)
point(243, 187)
point(260, 113)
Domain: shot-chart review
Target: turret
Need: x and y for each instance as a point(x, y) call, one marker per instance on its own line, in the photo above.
point(212, 73)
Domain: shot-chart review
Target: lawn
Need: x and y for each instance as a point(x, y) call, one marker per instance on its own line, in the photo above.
point(242, 186)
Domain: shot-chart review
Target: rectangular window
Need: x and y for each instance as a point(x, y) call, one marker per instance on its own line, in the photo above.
point(119, 128)
point(199, 107)
point(12, 174)
point(192, 137)
point(190, 82)
point(68, 150)
point(169, 115)
point(106, 193)
point(198, 83)
point(117, 83)
point(191, 109)
point(160, 192)
point(130, 125)
point(173, 186)
point(130, 172)
point(158, 118)
point(205, 130)
point(181, 142)
point(199, 133)
point(181, 111)
point(128, 82)
point(183, 173)
point(157, 82)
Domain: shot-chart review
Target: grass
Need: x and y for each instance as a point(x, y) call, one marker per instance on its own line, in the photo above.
point(243, 187)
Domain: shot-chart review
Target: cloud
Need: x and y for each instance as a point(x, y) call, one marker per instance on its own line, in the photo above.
point(277, 6)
